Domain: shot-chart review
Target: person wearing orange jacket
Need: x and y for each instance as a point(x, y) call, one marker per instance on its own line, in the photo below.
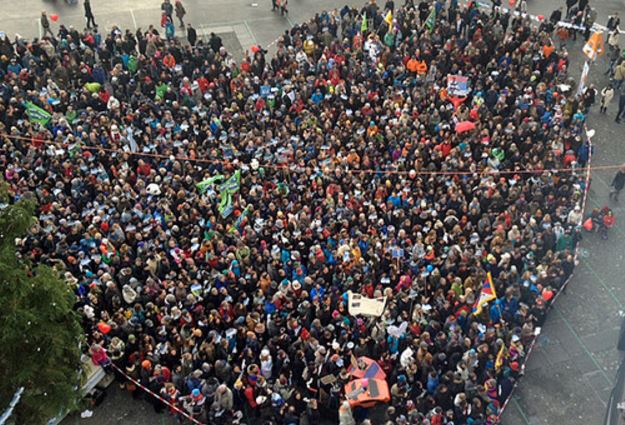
point(169, 61)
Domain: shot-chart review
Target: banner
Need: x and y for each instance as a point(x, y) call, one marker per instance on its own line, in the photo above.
point(37, 114)
point(358, 304)
point(430, 22)
point(594, 47)
point(457, 85)
point(583, 79)
point(232, 184)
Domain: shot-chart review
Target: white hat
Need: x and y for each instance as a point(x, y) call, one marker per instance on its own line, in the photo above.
point(153, 189)
point(129, 294)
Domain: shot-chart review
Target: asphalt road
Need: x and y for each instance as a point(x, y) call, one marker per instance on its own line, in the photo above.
point(574, 365)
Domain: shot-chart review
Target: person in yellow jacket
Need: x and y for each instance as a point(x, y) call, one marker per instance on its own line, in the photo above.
point(619, 74)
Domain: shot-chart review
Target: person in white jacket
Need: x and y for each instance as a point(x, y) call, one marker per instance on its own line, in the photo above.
point(345, 414)
point(607, 94)
point(266, 363)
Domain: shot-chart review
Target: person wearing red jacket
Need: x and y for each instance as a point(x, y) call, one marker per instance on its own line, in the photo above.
point(609, 220)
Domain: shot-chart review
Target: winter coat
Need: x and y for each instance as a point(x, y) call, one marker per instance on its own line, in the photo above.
point(180, 10)
point(607, 94)
point(223, 400)
point(619, 180)
point(619, 72)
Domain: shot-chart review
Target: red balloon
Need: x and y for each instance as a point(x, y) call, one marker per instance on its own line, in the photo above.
point(54, 17)
point(254, 48)
point(104, 327)
point(540, 18)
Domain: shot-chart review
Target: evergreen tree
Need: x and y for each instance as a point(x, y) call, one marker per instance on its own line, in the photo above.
point(41, 332)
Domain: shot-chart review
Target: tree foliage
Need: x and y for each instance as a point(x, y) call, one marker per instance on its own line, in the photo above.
point(41, 332)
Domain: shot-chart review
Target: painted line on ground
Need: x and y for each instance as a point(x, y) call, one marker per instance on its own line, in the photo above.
point(581, 344)
point(134, 20)
point(603, 283)
point(249, 30)
point(520, 410)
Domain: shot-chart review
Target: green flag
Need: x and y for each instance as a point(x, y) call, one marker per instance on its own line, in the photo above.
point(204, 184)
point(364, 25)
point(226, 190)
point(430, 22)
point(225, 206)
point(37, 114)
point(232, 184)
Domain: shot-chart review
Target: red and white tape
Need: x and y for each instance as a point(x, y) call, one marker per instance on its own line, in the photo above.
point(153, 394)
point(563, 287)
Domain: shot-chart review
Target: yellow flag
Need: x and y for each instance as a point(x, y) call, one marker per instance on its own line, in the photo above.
point(500, 356)
point(389, 18)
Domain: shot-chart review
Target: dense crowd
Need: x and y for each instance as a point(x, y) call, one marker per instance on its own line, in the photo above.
point(352, 178)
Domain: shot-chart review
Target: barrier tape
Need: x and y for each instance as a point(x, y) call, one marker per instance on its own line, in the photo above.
point(562, 288)
point(293, 167)
point(153, 394)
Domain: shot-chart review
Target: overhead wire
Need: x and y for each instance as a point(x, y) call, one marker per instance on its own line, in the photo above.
point(34, 140)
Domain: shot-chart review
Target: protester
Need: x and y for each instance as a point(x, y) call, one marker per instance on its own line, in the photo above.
point(89, 14)
point(191, 35)
point(214, 214)
point(570, 4)
point(621, 99)
point(607, 94)
point(180, 12)
point(619, 74)
point(613, 22)
point(168, 9)
point(556, 16)
point(45, 25)
point(609, 220)
point(618, 182)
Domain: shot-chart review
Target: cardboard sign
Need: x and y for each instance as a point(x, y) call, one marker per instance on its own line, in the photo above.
point(458, 85)
point(265, 91)
point(328, 379)
point(357, 304)
point(353, 361)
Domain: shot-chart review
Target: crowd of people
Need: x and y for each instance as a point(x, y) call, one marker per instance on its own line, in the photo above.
point(353, 177)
